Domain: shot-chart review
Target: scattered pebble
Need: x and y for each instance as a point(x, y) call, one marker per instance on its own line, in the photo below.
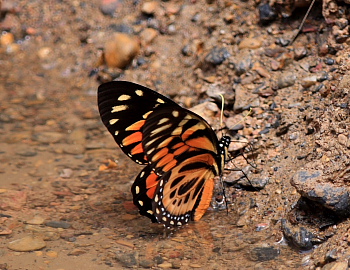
point(267, 13)
point(286, 80)
point(6, 39)
point(126, 259)
point(76, 252)
point(147, 36)
point(217, 56)
point(27, 243)
point(109, 7)
point(58, 224)
point(262, 254)
point(121, 50)
point(149, 7)
point(165, 265)
point(48, 137)
point(308, 81)
point(250, 43)
point(36, 220)
point(299, 53)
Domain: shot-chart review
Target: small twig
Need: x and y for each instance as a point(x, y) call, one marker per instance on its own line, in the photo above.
point(302, 23)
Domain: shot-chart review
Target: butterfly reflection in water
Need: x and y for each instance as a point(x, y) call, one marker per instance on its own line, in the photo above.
point(179, 149)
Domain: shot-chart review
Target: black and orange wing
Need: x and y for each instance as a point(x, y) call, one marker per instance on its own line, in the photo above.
point(124, 108)
point(181, 151)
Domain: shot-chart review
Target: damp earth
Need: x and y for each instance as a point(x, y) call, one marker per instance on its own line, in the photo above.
point(65, 200)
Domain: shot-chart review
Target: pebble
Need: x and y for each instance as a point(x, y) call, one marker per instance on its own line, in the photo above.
point(165, 265)
point(243, 63)
point(77, 136)
point(300, 237)
point(262, 254)
point(342, 139)
point(46, 233)
point(108, 7)
point(36, 220)
point(308, 81)
point(58, 224)
point(126, 259)
point(27, 243)
point(286, 80)
point(26, 153)
point(299, 53)
point(149, 8)
point(336, 266)
point(6, 39)
point(267, 13)
point(66, 173)
point(44, 52)
point(121, 50)
point(147, 36)
point(146, 263)
point(250, 43)
point(217, 56)
point(13, 200)
point(48, 137)
point(76, 252)
point(75, 149)
point(52, 254)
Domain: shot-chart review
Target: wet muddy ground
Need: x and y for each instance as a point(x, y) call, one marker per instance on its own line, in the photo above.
point(65, 200)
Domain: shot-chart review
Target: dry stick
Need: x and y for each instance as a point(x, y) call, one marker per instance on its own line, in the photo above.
point(302, 23)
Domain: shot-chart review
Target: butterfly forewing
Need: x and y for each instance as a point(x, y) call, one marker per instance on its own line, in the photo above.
point(182, 152)
point(123, 108)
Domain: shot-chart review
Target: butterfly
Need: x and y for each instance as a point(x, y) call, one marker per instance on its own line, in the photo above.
point(179, 149)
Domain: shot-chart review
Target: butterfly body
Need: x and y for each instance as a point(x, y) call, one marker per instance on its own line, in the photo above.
point(180, 150)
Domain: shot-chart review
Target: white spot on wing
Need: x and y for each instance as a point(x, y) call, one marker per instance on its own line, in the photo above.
point(124, 97)
point(141, 203)
point(146, 114)
point(175, 113)
point(139, 93)
point(119, 108)
point(163, 120)
point(159, 100)
point(137, 190)
point(113, 121)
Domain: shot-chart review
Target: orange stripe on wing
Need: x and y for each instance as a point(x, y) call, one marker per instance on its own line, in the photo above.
point(160, 154)
point(178, 145)
point(151, 192)
point(205, 200)
point(132, 138)
point(187, 133)
point(181, 150)
point(136, 126)
point(165, 160)
point(138, 149)
point(152, 180)
point(201, 142)
point(170, 165)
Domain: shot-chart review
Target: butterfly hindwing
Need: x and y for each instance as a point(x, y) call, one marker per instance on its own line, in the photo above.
point(182, 152)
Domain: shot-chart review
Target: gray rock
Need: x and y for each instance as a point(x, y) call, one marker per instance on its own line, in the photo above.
point(310, 185)
point(126, 259)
